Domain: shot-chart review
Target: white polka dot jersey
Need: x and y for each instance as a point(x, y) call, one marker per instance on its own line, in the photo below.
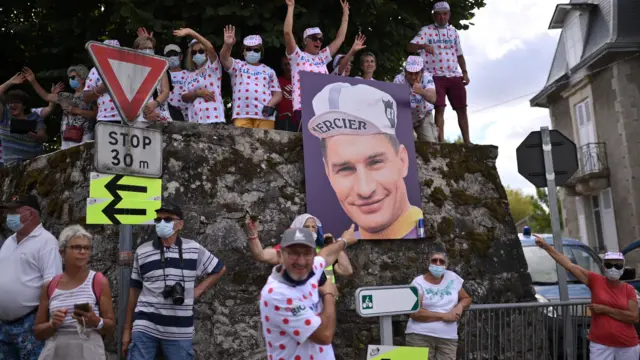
point(179, 82)
point(419, 106)
point(446, 43)
point(106, 108)
point(207, 77)
point(252, 87)
point(303, 61)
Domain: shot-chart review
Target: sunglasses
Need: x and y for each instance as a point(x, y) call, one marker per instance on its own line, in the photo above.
point(255, 50)
point(437, 261)
point(72, 77)
point(315, 38)
point(167, 219)
point(172, 53)
point(610, 265)
point(199, 51)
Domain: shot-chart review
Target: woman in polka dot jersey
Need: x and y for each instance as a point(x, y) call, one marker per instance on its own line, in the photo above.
point(203, 86)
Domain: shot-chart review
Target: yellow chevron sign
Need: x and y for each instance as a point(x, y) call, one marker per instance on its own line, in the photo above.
point(381, 352)
point(119, 199)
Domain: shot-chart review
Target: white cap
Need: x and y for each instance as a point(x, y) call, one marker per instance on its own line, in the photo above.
point(336, 60)
point(171, 47)
point(194, 41)
point(112, 42)
point(414, 63)
point(252, 40)
point(312, 31)
point(613, 256)
point(441, 6)
point(343, 109)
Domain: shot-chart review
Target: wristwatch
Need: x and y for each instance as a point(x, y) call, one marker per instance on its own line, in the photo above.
point(100, 324)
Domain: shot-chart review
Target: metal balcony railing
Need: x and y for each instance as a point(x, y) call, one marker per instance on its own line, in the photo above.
point(592, 159)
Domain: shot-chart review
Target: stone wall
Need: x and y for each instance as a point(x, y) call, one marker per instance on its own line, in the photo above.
point(218, 172)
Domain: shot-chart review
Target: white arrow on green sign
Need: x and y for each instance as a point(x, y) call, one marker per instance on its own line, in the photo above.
point(387, 300)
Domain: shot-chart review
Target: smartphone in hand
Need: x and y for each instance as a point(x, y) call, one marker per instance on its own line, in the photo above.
point(86, 307)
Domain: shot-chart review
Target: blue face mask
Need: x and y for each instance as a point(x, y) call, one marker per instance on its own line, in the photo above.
point(199, 59)
point(252, 57)
point(13, 222)
point(148, 51)
point(437, 270)
point(174, 61)
point(74, 84)
point(164, 229)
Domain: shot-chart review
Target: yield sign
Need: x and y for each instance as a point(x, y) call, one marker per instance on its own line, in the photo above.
point(129, 75)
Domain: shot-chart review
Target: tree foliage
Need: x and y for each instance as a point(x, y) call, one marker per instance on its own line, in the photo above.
point(520, 204)
point(541, 218)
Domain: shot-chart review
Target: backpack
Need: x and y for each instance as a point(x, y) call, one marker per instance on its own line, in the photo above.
point(96, 285)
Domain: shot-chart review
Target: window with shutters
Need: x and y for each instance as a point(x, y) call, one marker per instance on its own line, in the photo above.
point(573, 40)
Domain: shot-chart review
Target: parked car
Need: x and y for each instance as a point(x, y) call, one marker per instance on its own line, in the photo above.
point(629, 275)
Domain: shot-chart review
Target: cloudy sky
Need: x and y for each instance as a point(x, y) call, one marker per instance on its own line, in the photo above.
point(508, 54)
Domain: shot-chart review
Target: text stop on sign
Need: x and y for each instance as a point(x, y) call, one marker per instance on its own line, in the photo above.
point(126, 150)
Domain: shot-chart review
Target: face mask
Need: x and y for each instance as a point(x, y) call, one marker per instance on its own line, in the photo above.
point(74, 83)
point(13, 222)
point(148, 51)
point(199, 59)
point(174, 61)
point(164, 229)
point(437, 270)
point(252, 57)
point(613, 274)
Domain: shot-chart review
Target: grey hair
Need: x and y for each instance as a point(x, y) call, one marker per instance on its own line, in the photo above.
point(70, 232)
point(80, 70)
point(439, 249)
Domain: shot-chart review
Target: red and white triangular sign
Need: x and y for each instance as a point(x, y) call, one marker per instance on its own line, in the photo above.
point(129, 75)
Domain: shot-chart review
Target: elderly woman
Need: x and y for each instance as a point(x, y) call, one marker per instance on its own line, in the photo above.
point(203, 89)
point(443, 300)
point(269, 255)
point(78, 117)
point(156, 108)
point(75, 307)
point(342, 63)
point(614, 306)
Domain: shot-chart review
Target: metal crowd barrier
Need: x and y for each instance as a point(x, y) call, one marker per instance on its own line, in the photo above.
point(527, 331)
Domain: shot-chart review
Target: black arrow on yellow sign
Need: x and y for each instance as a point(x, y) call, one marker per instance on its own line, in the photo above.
point(113, 187)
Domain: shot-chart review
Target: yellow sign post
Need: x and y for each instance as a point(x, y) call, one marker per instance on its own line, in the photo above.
point(119, 199)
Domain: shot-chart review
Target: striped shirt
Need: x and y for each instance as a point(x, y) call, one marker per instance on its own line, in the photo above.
point(154, 314)
point(66, 299)
point(18, 147)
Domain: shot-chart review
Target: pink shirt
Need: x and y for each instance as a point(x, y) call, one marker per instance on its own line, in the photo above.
point(446, 43)
point(303, 61)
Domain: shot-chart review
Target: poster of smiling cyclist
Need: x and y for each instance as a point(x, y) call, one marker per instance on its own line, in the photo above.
point(359, 156)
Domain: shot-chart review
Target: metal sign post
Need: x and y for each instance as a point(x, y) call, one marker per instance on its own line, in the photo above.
point(386, 301)
point(124, 275)
point(557, 235)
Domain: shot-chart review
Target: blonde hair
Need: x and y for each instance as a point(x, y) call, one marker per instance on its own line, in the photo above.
point(189, 64)
point(141, 40)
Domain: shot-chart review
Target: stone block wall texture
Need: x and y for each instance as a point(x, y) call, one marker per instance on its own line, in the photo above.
point(217, 172)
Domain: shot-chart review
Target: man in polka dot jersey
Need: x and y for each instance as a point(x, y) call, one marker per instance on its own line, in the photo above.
point(439, 45)
point(296, 324)
point(256, 90)
point(421, 98)
point(95, 90)
point(313, 58)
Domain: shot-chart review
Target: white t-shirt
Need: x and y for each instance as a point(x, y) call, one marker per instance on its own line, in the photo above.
point(106, 108)
point(179, 81)
point(360, 77)
point(207, 77)
point(252, 87)
point(437, 298)
point(289, 317)
point(302, 61)
point(446, 43)
point(419, 106)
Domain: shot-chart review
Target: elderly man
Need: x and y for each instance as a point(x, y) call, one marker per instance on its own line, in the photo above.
point(364, 161)
point(422, 97)
point(28, 258)
point(299, 316)
point(439, 46)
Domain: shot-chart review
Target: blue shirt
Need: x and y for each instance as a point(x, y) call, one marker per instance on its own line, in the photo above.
point(18, 147)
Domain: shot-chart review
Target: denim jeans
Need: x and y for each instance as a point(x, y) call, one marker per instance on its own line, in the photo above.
point(143, 347)
point(17, 341)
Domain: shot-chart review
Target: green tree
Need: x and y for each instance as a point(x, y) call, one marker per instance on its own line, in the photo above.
point(457, 140)
point(520, 204)
point(541, 218)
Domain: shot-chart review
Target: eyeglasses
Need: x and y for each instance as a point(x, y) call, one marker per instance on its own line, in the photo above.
point(199, 51)
point(72, 77)
point(78, 248)
point(315, 38)
point(610, 265)
point(255, 50)
point(166, 219)
point(298, 254)
point(172, 53)
point(438, 261)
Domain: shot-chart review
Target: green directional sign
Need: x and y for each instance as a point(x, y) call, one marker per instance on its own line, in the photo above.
point(380, 352)
point(387, 300)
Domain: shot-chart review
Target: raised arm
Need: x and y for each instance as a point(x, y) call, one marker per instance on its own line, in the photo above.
point(289, 39)
point(31, 77)
point(358, 45)
point(268, 255)
point(229, 41)
point(343, 266)
point(206, 44)
point(331, 252)
point(578, 271)
point(15, 80)
point(342, 31)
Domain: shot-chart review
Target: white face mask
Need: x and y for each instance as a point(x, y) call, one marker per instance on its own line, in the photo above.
point(613, 274)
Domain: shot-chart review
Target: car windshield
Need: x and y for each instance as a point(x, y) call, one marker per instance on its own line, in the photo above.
point(542, 267)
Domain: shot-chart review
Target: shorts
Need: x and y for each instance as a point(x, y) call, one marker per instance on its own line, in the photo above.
point(285, 123)
point(452, 88)
point(253, 123)
point(439, 348)
point(17, 341)
point(426, 129)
